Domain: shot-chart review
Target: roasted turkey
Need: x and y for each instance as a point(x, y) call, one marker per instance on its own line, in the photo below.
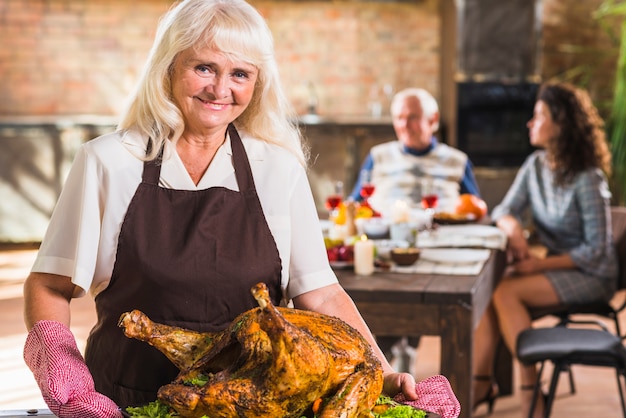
point(270, 362)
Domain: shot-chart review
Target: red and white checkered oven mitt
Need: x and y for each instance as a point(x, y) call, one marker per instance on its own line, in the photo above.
point(65, 382)
point(434, 394)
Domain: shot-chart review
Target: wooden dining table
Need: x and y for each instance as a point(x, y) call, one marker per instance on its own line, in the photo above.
point(448, 306)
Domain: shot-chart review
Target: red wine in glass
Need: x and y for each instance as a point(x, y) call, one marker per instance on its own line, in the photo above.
point(367, 190)
point(367, 187)
point(333, 201)
point(429, 201)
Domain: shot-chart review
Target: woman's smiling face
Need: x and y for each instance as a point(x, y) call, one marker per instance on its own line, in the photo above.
point(211, 89)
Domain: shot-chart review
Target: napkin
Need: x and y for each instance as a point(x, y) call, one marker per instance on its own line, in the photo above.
point(434, 394)
point(450, 261)
point(470, 235)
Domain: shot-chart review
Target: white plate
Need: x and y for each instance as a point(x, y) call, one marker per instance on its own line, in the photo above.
point(453, 255)
point(41, 413)
point(341, 264)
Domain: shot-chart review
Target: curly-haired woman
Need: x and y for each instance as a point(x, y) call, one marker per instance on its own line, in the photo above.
point(564, 185)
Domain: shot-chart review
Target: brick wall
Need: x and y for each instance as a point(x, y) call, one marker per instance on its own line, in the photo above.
point(80, 56)
point(72, 56)
point(347, 50)
point(83, 56)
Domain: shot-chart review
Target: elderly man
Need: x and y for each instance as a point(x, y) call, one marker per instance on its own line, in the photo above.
point(403, 170)
point(400, 170)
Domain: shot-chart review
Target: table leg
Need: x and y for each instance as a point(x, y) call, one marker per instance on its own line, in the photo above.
point(503, 370)
point(457, 339)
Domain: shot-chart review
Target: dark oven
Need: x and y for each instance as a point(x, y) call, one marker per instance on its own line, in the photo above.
point(491, 121)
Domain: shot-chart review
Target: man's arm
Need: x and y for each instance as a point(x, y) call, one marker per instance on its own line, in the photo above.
point(468, 182)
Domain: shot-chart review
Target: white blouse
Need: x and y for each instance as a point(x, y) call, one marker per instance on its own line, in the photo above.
point(81, 240)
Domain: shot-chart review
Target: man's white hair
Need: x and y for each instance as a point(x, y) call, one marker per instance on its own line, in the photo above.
point(428, 102)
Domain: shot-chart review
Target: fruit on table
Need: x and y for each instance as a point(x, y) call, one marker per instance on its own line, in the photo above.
point(270, 362)
point(469, 204)
point(346, 253)
point(361, 211)
point(364, 211)
point(330, 243)
point(341, 253)
point(340, 218)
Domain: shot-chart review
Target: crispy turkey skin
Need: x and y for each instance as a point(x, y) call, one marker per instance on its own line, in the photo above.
point(270, 362)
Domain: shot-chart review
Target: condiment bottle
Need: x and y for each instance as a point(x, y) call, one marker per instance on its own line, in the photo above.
point(350, 219)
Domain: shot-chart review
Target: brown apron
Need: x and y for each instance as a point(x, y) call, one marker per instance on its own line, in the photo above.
point(185, 258)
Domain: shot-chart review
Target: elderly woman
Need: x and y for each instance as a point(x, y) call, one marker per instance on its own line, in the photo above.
point(199, 194)
point(565, 187)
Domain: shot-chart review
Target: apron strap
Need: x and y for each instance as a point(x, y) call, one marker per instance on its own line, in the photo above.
point(243, 172)
point(152, 168)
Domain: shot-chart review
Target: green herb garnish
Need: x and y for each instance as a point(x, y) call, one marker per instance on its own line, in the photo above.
point(199, 380)
point(397, 410)
point(154, 409)
point(402, 411)
point(157, 409)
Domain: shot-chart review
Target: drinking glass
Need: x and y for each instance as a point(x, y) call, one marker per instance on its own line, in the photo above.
point(367, 187)
point(429, 202)
point(334, 200)
point(430, 197)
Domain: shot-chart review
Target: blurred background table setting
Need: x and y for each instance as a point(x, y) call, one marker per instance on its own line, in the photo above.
point(409, 238)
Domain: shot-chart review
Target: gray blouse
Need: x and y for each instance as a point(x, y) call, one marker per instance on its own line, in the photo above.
point(574, 218)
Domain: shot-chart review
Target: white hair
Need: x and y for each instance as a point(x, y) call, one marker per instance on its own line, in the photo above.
point(428, 102)
point(236, 29)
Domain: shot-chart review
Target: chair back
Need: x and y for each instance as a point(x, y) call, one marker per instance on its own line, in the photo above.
point(618, 220)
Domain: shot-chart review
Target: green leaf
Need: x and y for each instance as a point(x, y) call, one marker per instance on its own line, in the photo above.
point(154, 409)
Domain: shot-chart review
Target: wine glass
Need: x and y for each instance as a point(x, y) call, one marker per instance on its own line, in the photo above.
point(429, 202)
point(367, 187)
point(430, 199)
point(334, 200)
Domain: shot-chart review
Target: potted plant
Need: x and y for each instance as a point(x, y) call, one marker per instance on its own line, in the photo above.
point(616, 124)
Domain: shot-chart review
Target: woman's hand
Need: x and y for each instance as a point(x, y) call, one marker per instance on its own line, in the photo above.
point(395, 383)
point(65, 382)
point(533, 264)
point(529, 265)
point(517, 245)
point(434, 394)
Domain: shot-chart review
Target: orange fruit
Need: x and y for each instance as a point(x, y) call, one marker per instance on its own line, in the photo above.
point(469, 204)
point(364, 212)
point(340, 218)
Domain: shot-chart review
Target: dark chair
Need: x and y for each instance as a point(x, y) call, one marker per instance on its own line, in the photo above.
point(600, 308)
point(564, 347)
point(560, 344)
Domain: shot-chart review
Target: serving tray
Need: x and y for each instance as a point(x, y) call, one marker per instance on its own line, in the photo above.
point(34, 412)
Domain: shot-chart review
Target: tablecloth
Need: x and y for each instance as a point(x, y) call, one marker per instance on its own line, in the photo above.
point(450, 261)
